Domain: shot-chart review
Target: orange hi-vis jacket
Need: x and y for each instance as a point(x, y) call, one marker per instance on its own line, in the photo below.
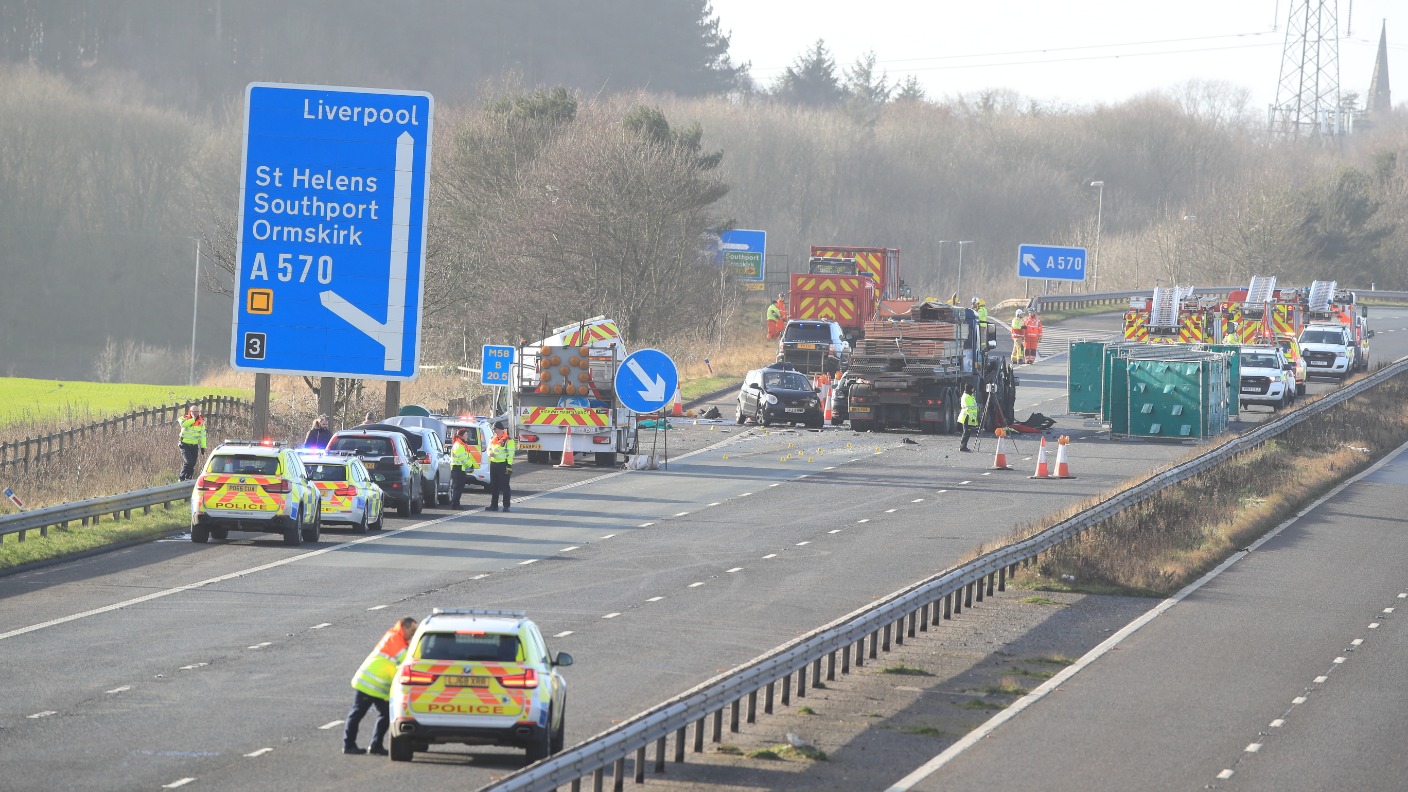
point(379, 669)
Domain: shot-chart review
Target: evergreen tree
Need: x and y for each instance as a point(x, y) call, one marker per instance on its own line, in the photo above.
point(811, 80)
point(909, 90)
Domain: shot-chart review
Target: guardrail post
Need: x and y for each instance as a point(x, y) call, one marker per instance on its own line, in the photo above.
point(640, 765)
point(860, 652)
point(753, 707)
point(886, 644)
point(1002, 579)
point(733, 716)
point(968, 596)
point(802, 682)
point(948, 605)
point(660, 755)
point(679, 745)
point(787, 691)
point(874, 645)
point(831, 667)
point(597, 778)
point(816, 673)
point(718, 726)
point(846, 660)
point(767, 699)
point(980, 589)
point(618, 775)
point(914, 617)
point(991, 575)
point(958, 600)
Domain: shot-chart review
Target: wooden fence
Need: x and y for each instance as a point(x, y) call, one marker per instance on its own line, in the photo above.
point(33, 450)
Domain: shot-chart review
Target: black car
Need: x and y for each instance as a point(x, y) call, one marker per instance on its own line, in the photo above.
point(779, 394)
point(387, 453)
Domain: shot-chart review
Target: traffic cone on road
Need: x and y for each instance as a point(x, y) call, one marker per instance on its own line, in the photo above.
point(1062, 471)
point(999, 461)
point(568, 458)
point(826, 404)
point(677, 409)
point(1041, 470)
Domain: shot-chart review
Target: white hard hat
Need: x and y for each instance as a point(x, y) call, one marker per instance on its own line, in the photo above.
point(1020, 312)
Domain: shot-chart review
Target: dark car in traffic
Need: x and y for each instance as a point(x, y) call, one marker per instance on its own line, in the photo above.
point(388, 455)
point(779, 394)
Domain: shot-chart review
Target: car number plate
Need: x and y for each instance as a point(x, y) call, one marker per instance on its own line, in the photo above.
point(531, 446)
point(794, 409)
point(466, 681)
point(1319, 363)
point(806, 346)
point(1251, 390)
point(860, 409)
point(241, 487)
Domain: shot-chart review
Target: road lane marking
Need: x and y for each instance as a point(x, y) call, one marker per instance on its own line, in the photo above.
point(1254, 747)
point(866, 520)
point(833, 467)
point(1356, 642)
point(917, 500)
point(44, 714)
point(569, 549)
point(192, 666)
point(608, 536)
point(1388, 610)
point(799, 544)
point(1339, 660)
point(378, 607)
point(563, 634)
point(681, 514)
point(715, 503)
point(1320, 680)
point(770, 555)
point(180, 782)
point(1278, 723)
point(940, 492)
point(529, 561)
point(891, 511)
point(778, 484)
point(122, 689)
point(330, 725)
point(261, 645)
point(610, 615)
point(961, 483)
point(1224, 775)
point(696, 585)
point(1298, 700)
point(989, 473)
point(735, 569)
point(1374, 626)
point(838, 530)
point(259, 752)
point(746, 494)
point(655, 599)
point(645, 525)
point(320, 626)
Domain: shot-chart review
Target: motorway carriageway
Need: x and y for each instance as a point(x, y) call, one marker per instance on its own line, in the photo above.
point(226, 666)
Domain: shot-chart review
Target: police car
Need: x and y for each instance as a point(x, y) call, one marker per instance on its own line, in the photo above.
point(249, 486)
point(348, 493)
point(479, 677)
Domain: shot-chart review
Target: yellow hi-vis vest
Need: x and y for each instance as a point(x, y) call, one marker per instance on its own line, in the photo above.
point(460, 456)
point(375, 675)
point(774, 313)
point(502, 450)
point(193, 431)
point(969, 413)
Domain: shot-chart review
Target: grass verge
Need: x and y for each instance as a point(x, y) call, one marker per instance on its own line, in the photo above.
point(35, 406)
point(79, 538)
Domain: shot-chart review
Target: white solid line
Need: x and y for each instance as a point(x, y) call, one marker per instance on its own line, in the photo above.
point(610, 615)
point(330, 725)
point(866, 520)
point(1013, 710)
point(1224, 775)
point(1278, 723)
point(378, 607)
point(1374, 626)
point(259, 752)
point(608, 536)
point(681, 514)
point(569, 549)
point(655, 599)
point(320, 626)
point(917, 500)
point(770, 555)
point(1356, 642)
point(529, 561)
point(177, 783)
point(1254, 747)
point(696, 585)
point(44, 714)
point(838, 530)
point(799, 544)
point(563, 634)
point(1298, 700)
point(645, 525)
point(1339, 660)
point(122, 689)
point(735, 569)
point(1320, 680)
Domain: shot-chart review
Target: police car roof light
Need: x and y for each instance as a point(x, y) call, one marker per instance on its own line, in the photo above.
point(478, 612)
point(267, 443)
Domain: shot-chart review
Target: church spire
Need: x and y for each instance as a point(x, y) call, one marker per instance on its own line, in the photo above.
point(1379, 100)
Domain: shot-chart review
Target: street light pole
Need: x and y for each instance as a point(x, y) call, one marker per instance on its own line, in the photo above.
point(939, 270)
point(1099, 213)
point(960, 268)
point(195, 308)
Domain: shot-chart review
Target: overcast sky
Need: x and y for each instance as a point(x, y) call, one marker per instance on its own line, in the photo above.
point(1067, 51)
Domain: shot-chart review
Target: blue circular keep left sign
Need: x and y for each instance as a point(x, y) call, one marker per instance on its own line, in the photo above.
point(646, 380)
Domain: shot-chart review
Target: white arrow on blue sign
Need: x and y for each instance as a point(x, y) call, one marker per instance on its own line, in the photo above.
point(646, 380)
point(332, 231)
point(495, 368)
point(1049, 262)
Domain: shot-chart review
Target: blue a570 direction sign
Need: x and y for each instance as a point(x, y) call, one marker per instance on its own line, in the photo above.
point(332, 231)
point(1051, 263)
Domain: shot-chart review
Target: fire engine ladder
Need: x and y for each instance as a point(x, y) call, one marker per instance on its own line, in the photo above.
point(1165, 309)
point(1262, 289)
point(1321, 292)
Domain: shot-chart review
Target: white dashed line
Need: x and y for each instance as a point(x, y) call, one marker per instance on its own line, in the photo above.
point(180, 782)
point(696, 585)
point(778, 484)
point(942, 492)
point(261, 645)
point(259, 752)
point(799, 544)
point(1356, 642)
point(770, 555)
point(1339, 660)
point(1026, 459)
point(569, 549)
point(608, 536)
point(1278, 723)
point(746, 494)
point(192, 666)
point(1298, 700)
point(480, 576)
point(122, 689)
point(378, 607)
point(804, 475)
point(1224, 775)
point(563, 634)
point(964, 482)
point(837, 530)
point(1403, 595)
point(989, 473)
point(655, 599)
point(866, 520)
point(529, 561)
point(645, 525)
point(44, 714)
point(1254, 747)
point(1374, 626)
point(833, 467)
point(320, 626)
point(610, 615)
point(891, 511)
point(917, 500)
point(1320, 680)
point(715, 503)
point(330, 725)
point(1388, 610)
point(735, 569)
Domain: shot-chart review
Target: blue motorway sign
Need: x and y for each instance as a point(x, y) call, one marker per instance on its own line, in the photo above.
point(495, 366)
point(646, 380)
point(332, 231)
point(745, 252)
point(1051, 263)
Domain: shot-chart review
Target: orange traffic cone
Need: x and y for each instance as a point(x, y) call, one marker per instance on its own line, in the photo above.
point(999, 462)
point(826, 404)
point(1062, 471)
point(1041, 470)
point(677, 410)
point(568, 458)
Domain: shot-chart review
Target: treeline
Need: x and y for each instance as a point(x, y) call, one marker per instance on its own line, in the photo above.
point(548, 206)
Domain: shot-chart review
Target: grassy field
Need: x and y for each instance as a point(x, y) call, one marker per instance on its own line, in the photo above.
point(44, 402)
point(78, 538)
